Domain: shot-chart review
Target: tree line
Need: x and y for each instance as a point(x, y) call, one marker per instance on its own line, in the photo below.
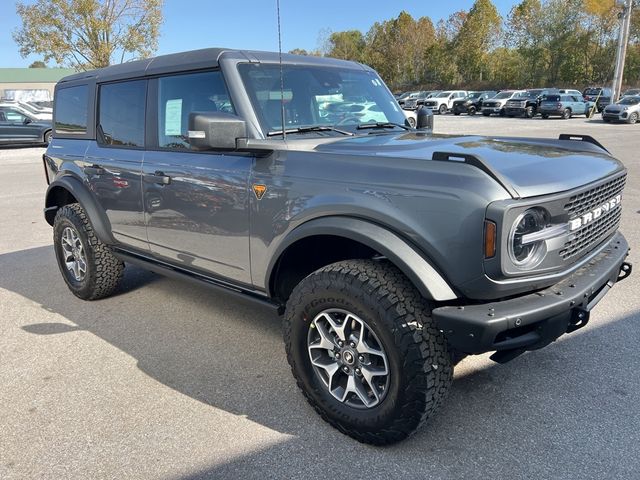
point(570, 43)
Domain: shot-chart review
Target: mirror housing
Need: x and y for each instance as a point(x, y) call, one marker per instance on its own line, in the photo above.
point(424, 119)
point(26, 121)
point(215, 130)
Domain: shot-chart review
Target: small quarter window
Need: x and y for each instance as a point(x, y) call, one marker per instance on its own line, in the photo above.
point(180, 95)
point(71, 106)
point(121, 114)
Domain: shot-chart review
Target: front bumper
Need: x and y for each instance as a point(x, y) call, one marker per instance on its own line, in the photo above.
point(515, 111)
point(492, 109)
point(615, 116)
point(532, 321)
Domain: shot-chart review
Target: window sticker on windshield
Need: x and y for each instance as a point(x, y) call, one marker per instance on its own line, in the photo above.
point(173, 117)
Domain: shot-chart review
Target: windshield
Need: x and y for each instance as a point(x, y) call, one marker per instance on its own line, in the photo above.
point(630, 93)
point(592, 91)
point(443, 94)
point(341, 98)
point(629, 101)
point(503, 95)
point(524, 95)
point(474, 94)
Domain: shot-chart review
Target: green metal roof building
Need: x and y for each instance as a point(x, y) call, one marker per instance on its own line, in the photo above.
point(30, 81)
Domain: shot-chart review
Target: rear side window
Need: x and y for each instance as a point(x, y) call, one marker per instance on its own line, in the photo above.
point(121, 114)
point(71, 107)
point(180, 95)
point(553, 98)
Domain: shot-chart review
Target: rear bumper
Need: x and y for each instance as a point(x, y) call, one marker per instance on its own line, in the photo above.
point(534, 320)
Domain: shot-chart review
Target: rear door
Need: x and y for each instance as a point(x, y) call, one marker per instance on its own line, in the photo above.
point(113, 163)
point(17, 127)
point(196, 202)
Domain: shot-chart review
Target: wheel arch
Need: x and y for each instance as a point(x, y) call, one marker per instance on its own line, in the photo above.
point(68, 189)
point(362, 239)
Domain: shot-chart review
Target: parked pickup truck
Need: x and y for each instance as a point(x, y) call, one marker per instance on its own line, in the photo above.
point(443, 101)
point(392, 252)
point(526, 104)
point(497, 104)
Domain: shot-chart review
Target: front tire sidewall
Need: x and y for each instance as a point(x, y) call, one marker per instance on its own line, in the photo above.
point(633, 118)
point(442, 110)
point(363, 419)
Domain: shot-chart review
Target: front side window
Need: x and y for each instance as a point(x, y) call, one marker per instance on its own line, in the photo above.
point(318, 96)
point(70, 110)
point(180, 95)
point(121, 114)
point(15, 116)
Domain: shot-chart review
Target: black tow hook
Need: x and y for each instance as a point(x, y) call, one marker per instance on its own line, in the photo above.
point(579, 318)
point(625, 271)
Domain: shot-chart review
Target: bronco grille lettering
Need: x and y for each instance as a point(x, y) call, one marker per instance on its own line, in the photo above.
point(594, 214)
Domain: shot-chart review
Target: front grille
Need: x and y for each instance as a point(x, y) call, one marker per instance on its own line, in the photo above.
point(515, 104)
point(590, 199)
point(593, 233)
point(490, 104)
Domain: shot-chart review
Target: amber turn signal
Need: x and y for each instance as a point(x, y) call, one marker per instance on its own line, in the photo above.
point(489, 239)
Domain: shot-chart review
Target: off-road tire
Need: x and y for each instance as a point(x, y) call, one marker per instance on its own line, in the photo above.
point(104, 270)
point(633, 118)
point(420, 365)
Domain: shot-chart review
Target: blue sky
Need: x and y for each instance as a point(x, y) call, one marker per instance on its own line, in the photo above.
point(251, 24)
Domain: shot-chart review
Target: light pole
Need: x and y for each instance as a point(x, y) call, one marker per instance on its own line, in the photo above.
point(623, 40)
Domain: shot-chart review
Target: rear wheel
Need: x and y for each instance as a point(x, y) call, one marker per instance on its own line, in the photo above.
point(88, 266)
point(47, 137)
point(365, 351)
point(566, 114)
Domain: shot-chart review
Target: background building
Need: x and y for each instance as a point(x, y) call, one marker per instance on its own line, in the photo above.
point(30, 83)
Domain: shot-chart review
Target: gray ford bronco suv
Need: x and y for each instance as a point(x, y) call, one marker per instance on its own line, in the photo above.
point(391, 251)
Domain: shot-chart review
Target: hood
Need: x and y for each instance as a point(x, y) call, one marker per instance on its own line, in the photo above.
point(530, 167)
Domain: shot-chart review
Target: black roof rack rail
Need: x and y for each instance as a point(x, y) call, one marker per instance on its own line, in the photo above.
point(582, 138)
point(477, 162)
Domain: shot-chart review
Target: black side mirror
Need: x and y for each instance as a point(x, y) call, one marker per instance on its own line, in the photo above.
point(424, 119)
point(215, 130)
point(26, 121)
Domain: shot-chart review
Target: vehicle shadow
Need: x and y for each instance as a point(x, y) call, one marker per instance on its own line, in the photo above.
point(546, 411)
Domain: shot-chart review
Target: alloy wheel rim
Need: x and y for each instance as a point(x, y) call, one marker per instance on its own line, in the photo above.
point(74, 255)
point(348, 358)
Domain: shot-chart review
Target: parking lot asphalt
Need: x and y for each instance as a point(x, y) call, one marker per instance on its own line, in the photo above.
point(171, 381)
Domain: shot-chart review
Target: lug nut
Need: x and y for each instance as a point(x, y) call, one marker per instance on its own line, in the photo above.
point(352, 345)
point(358, 372)
point(337, 355)
point(340, 343)
point(361, 358)
point(345, 369)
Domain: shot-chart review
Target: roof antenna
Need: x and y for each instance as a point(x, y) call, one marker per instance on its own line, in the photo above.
point(284, 135)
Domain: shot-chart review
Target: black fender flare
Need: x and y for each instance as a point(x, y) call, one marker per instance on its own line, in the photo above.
point(415, 266)
point(97, 216)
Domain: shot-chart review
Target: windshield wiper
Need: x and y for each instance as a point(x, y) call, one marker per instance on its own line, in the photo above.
point(381, 125)
point(316, 128)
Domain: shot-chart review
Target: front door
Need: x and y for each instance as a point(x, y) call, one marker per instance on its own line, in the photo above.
point(196, 202)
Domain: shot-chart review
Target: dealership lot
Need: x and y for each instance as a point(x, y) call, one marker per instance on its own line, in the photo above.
point(167, 380)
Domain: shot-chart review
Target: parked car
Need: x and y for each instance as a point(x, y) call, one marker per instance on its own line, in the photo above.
point(625, 110)
point(472, 103)
point(632, 92)
point(416, 101)
point(600, 95)
point(391, 252)
point(564, 106)
point(27, 109)
point(443, 102)
point(526, 104)
point(403, 97)
point(496, 105)
point(18, 128)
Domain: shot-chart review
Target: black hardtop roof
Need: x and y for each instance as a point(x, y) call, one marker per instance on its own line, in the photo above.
point(198, 60)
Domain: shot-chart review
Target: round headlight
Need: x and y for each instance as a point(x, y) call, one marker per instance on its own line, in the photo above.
point(524, 253)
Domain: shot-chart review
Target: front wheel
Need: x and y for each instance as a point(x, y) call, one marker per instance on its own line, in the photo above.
point(365, 351)
point(471, 111)
point(443, 109)
point(529, 112)
point(88, 266)
point(633, 118)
